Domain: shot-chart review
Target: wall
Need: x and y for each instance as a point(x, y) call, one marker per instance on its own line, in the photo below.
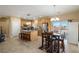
point(74, 16)
point(73, 32)
point(15, 25)
point(4, 23)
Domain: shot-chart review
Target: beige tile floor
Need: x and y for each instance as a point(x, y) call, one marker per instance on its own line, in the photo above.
point(17, 46)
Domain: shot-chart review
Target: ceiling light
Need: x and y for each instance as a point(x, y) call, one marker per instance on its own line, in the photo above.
point(55, 18)
point(52, 19)
point(28, 23)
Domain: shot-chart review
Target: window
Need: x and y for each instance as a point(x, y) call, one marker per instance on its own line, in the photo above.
point(59, 23)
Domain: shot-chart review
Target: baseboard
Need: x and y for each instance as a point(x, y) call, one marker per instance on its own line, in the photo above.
point(73, 44)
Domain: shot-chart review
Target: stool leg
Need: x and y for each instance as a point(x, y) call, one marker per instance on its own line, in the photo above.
point(58, 50)
point(63, 45)
point(42, 43)
point(42, 46)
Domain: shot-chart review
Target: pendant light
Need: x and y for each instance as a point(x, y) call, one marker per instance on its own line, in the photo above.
point(55, 18)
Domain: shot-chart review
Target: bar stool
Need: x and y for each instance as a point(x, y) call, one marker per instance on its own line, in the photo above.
point(44, 38)
point(62, 45)
point(54, 44)
point(49, 34)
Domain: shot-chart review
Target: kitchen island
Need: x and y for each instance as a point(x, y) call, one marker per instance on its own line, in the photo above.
point(29, 35)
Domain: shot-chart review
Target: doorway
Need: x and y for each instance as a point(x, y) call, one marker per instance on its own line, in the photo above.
point(4, 25)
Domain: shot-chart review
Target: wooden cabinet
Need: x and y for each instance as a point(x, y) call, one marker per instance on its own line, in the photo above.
point(25, 36)
point(29, 36)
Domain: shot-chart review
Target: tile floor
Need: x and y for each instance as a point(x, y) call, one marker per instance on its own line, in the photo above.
point(17, 46)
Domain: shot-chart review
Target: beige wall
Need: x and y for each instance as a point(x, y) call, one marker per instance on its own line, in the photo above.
point(4, 22)
point(73, 16)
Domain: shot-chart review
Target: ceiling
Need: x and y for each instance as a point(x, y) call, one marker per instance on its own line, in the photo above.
point(34, 11)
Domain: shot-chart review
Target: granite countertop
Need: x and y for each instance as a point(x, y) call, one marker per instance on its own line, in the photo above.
point(27, 30)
